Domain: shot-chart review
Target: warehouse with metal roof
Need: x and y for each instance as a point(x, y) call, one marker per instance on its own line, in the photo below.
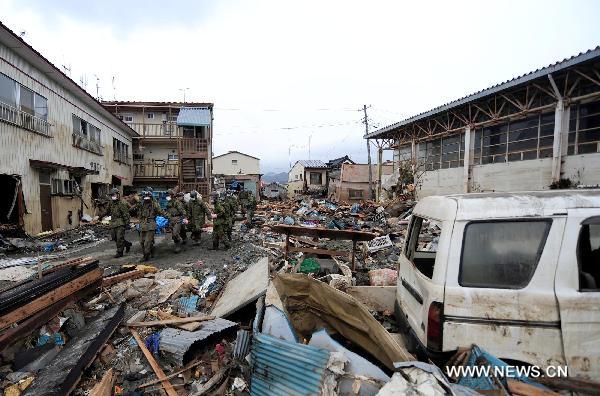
point(528, 133)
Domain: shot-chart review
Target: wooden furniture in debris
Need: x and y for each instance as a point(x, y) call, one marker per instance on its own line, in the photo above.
point(354, 236)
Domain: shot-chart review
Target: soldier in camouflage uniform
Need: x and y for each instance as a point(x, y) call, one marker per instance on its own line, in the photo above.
point(250, 208)
point(147, 211)
point(220, 224)
point(197, 212)
point(183, 230)
point(177, 215)
point(231, 206)
point(119, 221)
point(243, 200)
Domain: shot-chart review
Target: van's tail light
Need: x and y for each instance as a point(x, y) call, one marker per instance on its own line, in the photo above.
point(435, 324)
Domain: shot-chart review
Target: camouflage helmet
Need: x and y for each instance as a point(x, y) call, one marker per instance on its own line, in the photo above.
point(171, 192)
point(149, 189)
point(194, 194)
point(114, 191)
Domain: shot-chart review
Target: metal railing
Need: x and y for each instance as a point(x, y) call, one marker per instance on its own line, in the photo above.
point(84, 143)
point(24, 120)
point(163, 130)
point(156, 170)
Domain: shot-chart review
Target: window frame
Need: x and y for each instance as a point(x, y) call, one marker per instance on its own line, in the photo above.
point(412, 239)
point(149, 116)
point(547, 220)
point(310, 178)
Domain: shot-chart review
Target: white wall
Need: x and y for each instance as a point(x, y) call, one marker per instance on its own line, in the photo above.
point(530, 175)
point(583, 169)
point(441, 182)
point(222, 165)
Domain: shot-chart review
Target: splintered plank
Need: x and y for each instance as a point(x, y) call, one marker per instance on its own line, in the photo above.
point(111, 280)
point(50, 298)
point(166, 384)
point(173, 321)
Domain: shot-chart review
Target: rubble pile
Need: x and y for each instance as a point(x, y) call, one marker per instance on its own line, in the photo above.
point(283, 313)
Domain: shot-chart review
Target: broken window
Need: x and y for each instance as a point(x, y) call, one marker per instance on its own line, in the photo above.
point(316, 178)
point(502, 254)
point(422, 245)
point(584, 129)
point(86, 136)
point(63, 187)
point(120, 151)
point(354, 193)
point(588, 255)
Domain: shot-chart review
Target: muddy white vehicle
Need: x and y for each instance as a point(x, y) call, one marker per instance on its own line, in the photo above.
point(517, 274)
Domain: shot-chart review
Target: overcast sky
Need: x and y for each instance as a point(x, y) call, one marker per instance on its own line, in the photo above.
point(284, 73)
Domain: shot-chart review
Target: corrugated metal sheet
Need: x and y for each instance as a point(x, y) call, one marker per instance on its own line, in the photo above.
point(242, 344)
point(312, 164)
point(194, 116)
point(553, 68)
point(175, 343)
point(286, 368)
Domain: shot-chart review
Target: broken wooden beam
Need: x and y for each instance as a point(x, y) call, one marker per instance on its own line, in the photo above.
point(173, 321)
point(34, 322)
point(111, 280)
point(104, 387)
point(166, 384)
point(62, 374)
point(50, 298)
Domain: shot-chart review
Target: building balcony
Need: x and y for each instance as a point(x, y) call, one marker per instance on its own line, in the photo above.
point(193, 148)
point(24, 120)
point(165, 130)
point(156, 170)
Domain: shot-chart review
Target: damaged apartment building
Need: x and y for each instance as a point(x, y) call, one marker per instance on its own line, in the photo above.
point(534, 132)
point(60, 147)
point(173, 145)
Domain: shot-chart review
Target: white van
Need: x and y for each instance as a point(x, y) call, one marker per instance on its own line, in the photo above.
point(516, 273)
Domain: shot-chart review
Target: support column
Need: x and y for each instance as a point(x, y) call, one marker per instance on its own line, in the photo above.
point(413, 156)
point(561, 139)
point(557, 147)
point(379, 161)
point(468, 160)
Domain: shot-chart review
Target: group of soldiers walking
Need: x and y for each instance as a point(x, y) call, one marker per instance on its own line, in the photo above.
point(182, 216)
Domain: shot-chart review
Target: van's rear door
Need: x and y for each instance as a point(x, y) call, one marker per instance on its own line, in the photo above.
point(499, 291)
point(577, 288)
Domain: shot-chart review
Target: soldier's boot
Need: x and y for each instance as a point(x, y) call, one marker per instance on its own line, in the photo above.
point(152, 251)
point(215, 245)
point(119, 254)
point(145, 258)
point(176, 248)
point(127, 246)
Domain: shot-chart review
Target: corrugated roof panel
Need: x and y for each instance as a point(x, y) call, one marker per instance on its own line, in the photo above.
point(175, 343)
point(312, 164)
point(194, 116)
point(553, 68)
point(286, 368)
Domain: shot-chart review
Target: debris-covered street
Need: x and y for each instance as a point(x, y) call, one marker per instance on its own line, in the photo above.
point(327, 198)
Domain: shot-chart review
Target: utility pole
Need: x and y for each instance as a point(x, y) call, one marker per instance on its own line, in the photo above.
point(366, 122)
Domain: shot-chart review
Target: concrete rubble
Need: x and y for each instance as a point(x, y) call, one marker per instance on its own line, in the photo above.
point(254, 321)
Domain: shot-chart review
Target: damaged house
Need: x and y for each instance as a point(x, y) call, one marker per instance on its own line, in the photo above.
point(60, 148)
point(307, 176)
point(173, 144)
point(239, 167)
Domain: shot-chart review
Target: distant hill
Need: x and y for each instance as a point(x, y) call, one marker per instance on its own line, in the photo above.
point(275, 177)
